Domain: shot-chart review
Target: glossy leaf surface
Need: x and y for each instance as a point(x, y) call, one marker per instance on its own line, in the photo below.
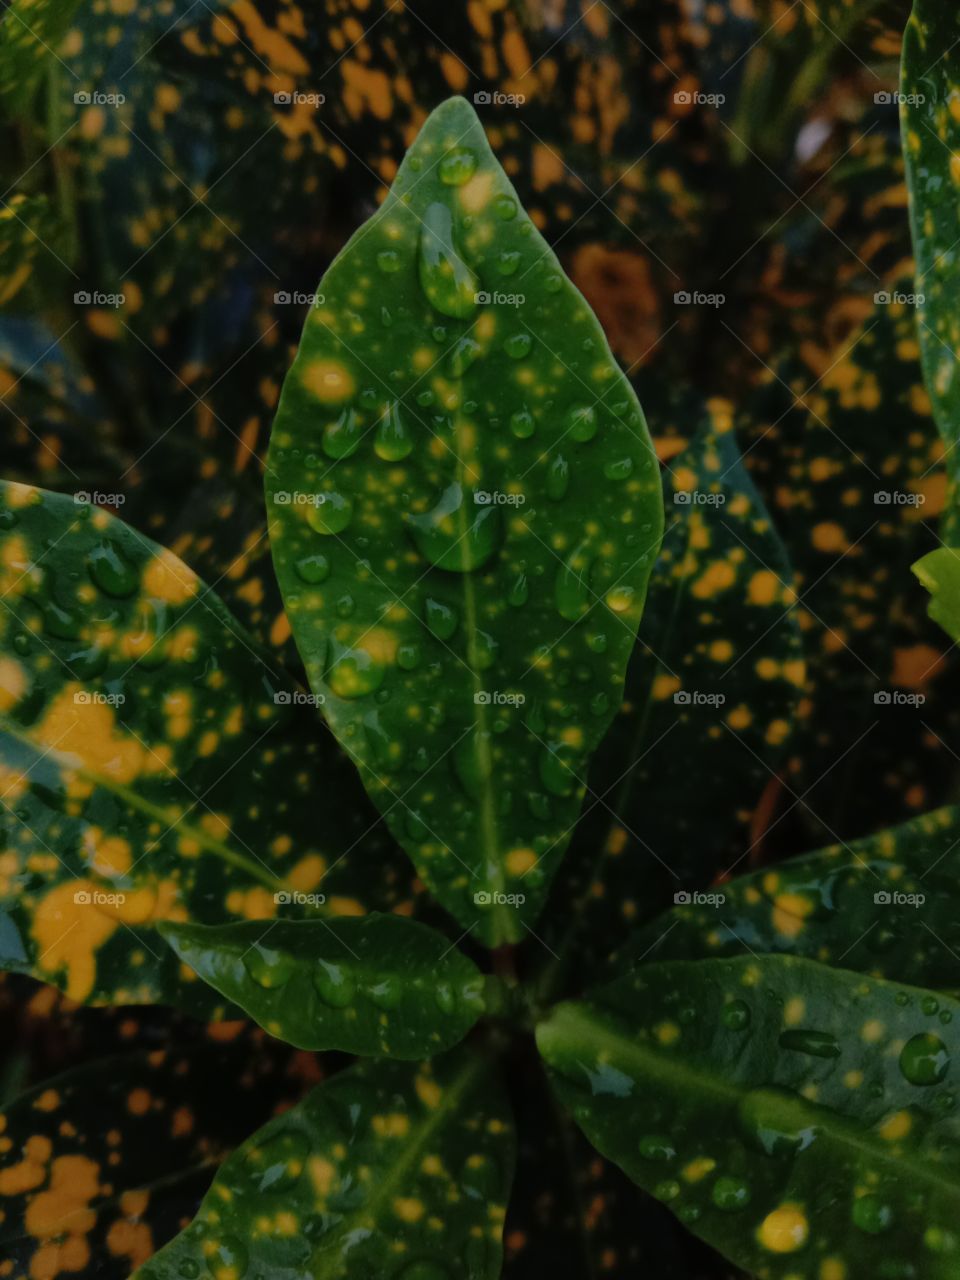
point(389, 1169)
point(884, 905)
point(800, 1118)
point(940, 574)
point(379, 985)
point(464, 510)
point(154, 762)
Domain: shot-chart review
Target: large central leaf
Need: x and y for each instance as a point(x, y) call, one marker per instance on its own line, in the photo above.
point(464, 512)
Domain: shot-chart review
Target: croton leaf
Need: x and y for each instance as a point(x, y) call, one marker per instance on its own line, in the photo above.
point(713, 681)
point(930, 117)
point(464, 509)
point(886, 905)
point(102, 1164)
point(141, 732)
point(388, 1169)
point(800, 1118)
point(939, 571)
point(379, 985)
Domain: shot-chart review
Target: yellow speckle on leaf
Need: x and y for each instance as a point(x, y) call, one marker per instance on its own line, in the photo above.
point(784, 1230)
point(168, 579)
point(329, 380)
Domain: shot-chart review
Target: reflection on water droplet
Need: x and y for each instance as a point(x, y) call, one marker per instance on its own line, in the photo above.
point(463, 355)
point(655, 1146)
point(582, 422)
point(334, 986)
point(354, 673)
point(924, 1060)
point(457, 534)
point(619, 469)
point(332, 515)
point(482, 650)
point(558, 477)
point(522, 424)
point(777, 1122)
point(553, 283)
point(458, 166)
point(870, 1214)
point(278, 1163)
point(819, 1044)
point(229, 1258)
point(507, 262)
point(505, 207)
point(448, 283)
point(386, 994)
point(730, 1194)
point(312, 569)
point(342, 436)
point(735, 1015)
point(571, 591)
point(440, 618)
point(518, 345)
point(445, 998)
point(392, 441)
point(388, 260)
point(519, 591)
point(408, 656)
point(268, 968)
point(112, 572)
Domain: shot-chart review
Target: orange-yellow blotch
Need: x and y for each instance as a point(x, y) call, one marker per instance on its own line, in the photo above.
point(132, 1240)
point(307, 873)
point(719, 576)
point(664, 686)
point(49, 1100)
point(828, 536)
point(763, 588)
point(87, 730)
point(789, 913)
point(31, 1171)
point(740, 717)
point(519, 861)
point(64, 1207)
point(330, 381)
point(14, 682)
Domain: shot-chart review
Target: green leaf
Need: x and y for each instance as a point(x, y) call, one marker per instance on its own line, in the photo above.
point(799, 1118)
point(930, 120)
point(155, 764)
point(100, 1165)
point(464, 510)
point(885, 905)
point(712, 683)
point(28, 29)
point(387, 1169)
point(380, 985)
point(939, 571)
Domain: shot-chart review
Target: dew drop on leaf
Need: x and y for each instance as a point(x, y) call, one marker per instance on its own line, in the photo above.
point(392, 440)
point(819, 1044)
point(518, 345)
point(872, 1215)
point(558, 477)
point(332, 515)
point(730, 1194)
point(112, 572)
point(736, 1015)
point(354, 673)
point(388, 261)
point(268, 968)
point(924, 1059)
point(447, 282)
point(312, 569)
point(342, 437)
point(458, 534)
point(334, 987)
point(440, 618)
point(458, 166)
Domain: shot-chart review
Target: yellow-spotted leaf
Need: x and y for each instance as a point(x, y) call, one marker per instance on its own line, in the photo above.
point(389, 1170)
point(464, 509)
point(801, 1119)
point(379, 985)
point(885, 904)
point(155, 764)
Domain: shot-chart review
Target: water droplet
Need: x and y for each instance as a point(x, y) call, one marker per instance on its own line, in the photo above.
point(8, 519)
point(189, 1268)
point(392, 440)
point(21, 642)
point(342, 437)
point(458, 166)
point(582, 422)
point(457, 534)
point(112, 572)
point(600, 704)
point(819, 1044)
point(656, 1147)
point(519, 591)
point(408, 656)
point(507, 262)
point(619, 469)
point(571, 591)
point(473, 761)
point(924, 1059)
point(269, 968)
point(482, 650)
point(345, 605)
point(518, 345)
point(597, 642)
point(445, 997)
point(312, 569)
point(505, 207)
point(929, 1005)
point(870, 1214)
point(553, 283)
point(440, 618)
point(777, 1121)
point(448, 283)
point(335, 987)
point(228, 1258)
point(332, 514)
point(278, 1163)
point(556, 768)
point(354, 673)
point(386, 994)
point(463, 355)
point(730, 1194)
point(522, 424)
point(388, 260)
point(558, 477)
point(735, 1016)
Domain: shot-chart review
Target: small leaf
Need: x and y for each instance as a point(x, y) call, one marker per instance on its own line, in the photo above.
point(939, 571)
point(799, 1118)
point(380, 985)
point(388, 1169)
point(154, 763)
point(885, 905)
point(458, 450)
